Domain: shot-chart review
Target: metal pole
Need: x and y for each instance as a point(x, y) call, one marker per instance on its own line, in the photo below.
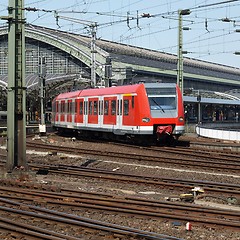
point(180, 56)
point(42, 76)
point(93, 55)
point(199, 108)
point(16, 105)
point(180, 48)
point(11, 137)
point(108, 72)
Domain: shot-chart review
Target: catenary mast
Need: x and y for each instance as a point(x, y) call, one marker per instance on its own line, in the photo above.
point(16, 104)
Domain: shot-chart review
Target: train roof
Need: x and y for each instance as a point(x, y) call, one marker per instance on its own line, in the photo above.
point(101, 91)
point(125, 89)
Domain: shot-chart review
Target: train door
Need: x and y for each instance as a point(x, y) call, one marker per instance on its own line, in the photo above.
point(79, 111)
point(76, 110)
point(110, 110)
point(128, 110)
point(57, 118)
point(93, 110)
point(62, 111)
point(69, 111)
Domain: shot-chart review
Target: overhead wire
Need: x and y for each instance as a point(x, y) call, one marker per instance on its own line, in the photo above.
point(135, 32)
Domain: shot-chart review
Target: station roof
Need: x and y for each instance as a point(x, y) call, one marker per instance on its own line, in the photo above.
point(211, 97)
point(141, 59)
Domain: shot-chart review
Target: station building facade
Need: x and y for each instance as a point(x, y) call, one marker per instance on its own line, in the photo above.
point(68, 58)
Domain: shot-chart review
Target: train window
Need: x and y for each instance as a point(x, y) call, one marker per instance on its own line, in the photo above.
point(95, 108)
point(66, 107)
point(162, 103)
point(106, 106)
point(81, 108)
point(113, 107)
point(76, 104)
point(99, 107)
point(120, 107)
point(126, 107)
point(73, 108)
point(90, 107)
point(69, 107)
point(85, 107)
point(62, 107)
point(132, 101)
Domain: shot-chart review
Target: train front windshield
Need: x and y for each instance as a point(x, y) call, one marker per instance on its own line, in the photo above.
point(163, 98)
point(162, 103)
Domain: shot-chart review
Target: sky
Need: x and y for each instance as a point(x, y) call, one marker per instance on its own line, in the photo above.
point(151, 24)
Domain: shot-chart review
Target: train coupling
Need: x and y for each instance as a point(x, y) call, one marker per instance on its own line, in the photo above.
point(164, 130)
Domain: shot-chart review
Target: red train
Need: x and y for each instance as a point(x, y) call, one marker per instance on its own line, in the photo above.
point(141, 113)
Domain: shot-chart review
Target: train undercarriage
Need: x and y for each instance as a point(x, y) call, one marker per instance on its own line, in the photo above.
point(160, 138)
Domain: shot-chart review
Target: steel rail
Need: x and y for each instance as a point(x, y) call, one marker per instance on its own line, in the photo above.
point(149, 205)
point(235, 167)
point(80, 221)
point(183, 213)
point(32, 231)
point(213, 187)
point(179, 149)
point(79, 171)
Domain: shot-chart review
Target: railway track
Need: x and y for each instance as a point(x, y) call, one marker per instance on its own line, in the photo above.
point(65, 200)
point(216, 188)
point(68, 199)
point(187, 151)
point(11, 203)
point(210, 187)
point(231, 165)
point(223, 189)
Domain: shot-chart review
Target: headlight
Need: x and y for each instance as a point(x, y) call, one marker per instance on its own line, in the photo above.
point(181, 119)
point(146, 120)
